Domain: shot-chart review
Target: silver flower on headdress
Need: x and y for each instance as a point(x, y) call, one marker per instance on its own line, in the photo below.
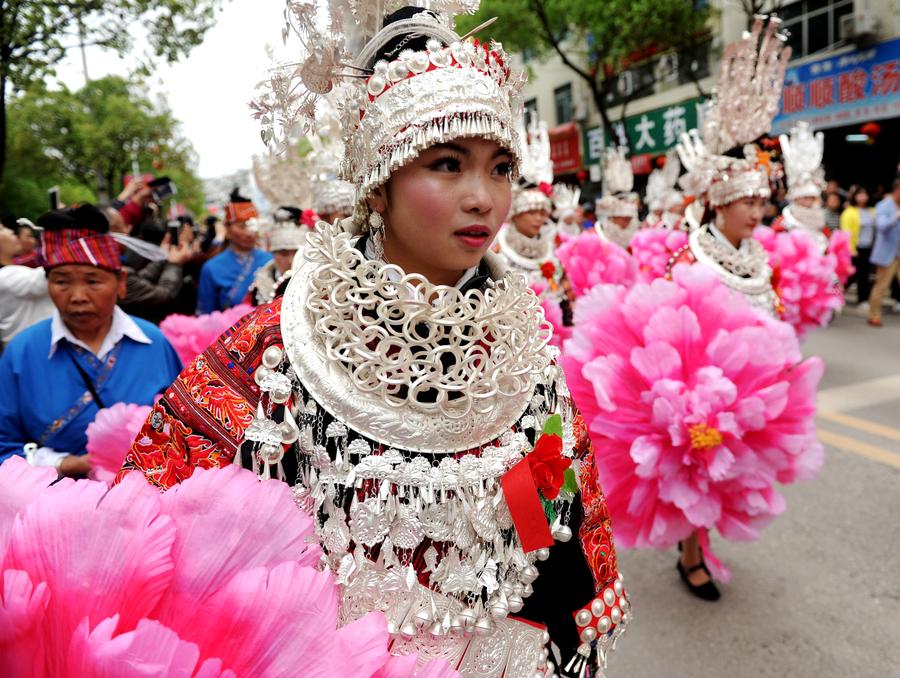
point(802, 152)
point(751, 77)
point(393, 109)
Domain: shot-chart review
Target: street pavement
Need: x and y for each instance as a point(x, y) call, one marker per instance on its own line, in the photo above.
point(818, 596)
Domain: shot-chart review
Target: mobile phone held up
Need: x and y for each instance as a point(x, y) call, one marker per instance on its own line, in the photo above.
point(53, 196)
point(162, 187)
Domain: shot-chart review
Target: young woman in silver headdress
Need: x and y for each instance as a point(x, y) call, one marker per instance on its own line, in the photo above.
point(402, 383)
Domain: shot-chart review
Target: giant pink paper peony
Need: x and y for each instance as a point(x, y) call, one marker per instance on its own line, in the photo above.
point(697, 405)
point(110, 435)
point(805, 279)
point(190, 335)
point(215, 577)
point(652, 248)
point(839, 247)
point(589, 260)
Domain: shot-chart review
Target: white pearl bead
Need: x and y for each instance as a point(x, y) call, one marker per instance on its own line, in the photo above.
point(616, 615)
point(583, 618)
point(598, 608)
point(604, 624)
point(271, 357)
point(609, 597)
point(588, 634)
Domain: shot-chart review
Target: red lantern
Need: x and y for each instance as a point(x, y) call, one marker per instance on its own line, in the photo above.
point(660, 161)
point(872, 129)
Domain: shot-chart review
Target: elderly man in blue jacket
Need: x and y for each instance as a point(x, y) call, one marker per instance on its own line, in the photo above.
point(886, 252)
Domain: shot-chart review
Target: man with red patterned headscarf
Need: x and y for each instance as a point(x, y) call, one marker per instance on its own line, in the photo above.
point(226, 278)
point(88, 355)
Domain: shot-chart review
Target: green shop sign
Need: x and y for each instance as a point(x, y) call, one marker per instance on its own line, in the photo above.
point(652, 132)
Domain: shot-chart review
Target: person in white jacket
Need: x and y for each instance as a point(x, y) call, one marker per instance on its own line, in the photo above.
point(23, 291)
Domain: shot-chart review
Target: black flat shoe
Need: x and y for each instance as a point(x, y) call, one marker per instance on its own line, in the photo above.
point(705, 591)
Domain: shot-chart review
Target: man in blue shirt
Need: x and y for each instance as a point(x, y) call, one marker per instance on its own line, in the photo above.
point(226, 278)
point(56, 374)
point(886, 251)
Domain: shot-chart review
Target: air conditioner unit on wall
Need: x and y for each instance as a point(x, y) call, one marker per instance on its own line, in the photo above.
point(860, 28)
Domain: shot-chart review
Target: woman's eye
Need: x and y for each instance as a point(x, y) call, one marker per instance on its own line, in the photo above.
point(504, 169)
point(448, 164)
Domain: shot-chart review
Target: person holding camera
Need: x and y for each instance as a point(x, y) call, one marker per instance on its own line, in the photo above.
point(886, 251)
point(226, 278)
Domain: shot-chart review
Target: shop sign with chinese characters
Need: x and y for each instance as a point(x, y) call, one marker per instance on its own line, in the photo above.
point(651, 133)
point(842, 90)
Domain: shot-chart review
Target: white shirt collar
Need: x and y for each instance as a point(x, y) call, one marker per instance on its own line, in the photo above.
point(122, 326)
point(718, 235)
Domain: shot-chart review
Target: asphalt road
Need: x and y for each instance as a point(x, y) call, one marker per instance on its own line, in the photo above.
point(818, 596)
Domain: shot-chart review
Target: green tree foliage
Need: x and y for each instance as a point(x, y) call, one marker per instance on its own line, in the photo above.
point(83, 141)
point(596, 39)
point(34, 35)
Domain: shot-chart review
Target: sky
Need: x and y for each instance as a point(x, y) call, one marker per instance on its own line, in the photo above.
point(208, 90)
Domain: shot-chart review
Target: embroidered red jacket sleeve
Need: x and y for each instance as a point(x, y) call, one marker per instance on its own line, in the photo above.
point(202, 416)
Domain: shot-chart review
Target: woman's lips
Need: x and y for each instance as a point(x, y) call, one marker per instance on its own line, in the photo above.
point(473, 236)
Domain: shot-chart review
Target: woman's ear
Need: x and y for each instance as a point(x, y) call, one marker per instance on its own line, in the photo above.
point(377, 202)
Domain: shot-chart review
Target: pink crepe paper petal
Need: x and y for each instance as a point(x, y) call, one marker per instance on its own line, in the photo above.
point(101, 552)
point(22, 608)
point(20, 483)
point(191, 335)
point(228, 520)
point(652, 248)
point(110, 435)
point(267, 623)
point(149, 651)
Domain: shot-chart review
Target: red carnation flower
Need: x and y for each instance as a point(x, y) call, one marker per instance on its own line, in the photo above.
point(548, 466)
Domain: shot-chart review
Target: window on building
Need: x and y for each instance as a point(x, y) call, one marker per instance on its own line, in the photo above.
point(531, 110)
point(693, 63)
point(814, 25)
point(634, 83)
point(562, 96)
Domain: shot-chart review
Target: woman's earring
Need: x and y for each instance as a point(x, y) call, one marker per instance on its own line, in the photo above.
point(376, 233)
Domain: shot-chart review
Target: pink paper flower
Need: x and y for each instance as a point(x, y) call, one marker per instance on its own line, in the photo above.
point(839, 247)
point(697, 405)
point(215, 577)
point(553, 314)
point(652, 248)
point(589, 260)
point(806, 279)
point(110, 435)
point(191, 335)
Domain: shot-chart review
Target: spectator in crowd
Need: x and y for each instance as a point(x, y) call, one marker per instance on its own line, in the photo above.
point(770, 213)
point(590, 217)
point(858, 220)
point(834, 187)
point(151, 289)
point(88, 355)
point(886, 250)
point(226, 278)
point(23, 290)
point(135, 202)
point(28, 239)
point(833, 206)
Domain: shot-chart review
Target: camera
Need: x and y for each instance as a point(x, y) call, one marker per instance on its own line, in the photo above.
point(162, 188)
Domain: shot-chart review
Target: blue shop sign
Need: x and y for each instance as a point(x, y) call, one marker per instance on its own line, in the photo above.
point(849, 88)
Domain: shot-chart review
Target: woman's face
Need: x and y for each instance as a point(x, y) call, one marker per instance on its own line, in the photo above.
point(10, 245)
point(741, 217)
point(85, 296)
point(807, 201)
point(861, 198)
point(442, 210)
point(530, 223)
point(27, 240)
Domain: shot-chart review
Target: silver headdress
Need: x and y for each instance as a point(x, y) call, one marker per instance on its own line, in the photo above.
point(802, 152)
point(566, 200)
point(536, 169)
point(661, 192)
point(618, 182)
point(395, 108)
point(751, 77)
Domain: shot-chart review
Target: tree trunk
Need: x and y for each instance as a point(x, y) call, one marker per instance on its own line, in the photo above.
point(2, 124)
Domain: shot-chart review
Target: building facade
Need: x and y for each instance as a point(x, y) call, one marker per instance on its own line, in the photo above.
point(843, 78)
